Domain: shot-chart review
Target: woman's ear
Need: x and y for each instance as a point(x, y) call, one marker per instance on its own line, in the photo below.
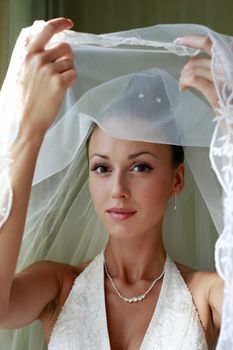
point(178, 183)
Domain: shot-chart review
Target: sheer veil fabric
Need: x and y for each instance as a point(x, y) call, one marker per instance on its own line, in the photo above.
point(128, 86)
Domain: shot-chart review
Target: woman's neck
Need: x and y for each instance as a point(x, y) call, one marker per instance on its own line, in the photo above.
point(135, 258)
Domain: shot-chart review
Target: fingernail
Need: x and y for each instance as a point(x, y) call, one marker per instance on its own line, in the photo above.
point(179, 41)
point(70, 20)
point(181, 87)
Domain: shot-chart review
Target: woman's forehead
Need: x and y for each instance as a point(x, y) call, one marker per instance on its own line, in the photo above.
point(101, 141)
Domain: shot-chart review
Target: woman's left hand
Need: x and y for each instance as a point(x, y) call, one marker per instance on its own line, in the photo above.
point(197, 72)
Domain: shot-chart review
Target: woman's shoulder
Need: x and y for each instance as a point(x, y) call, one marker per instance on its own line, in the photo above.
point(199, 278)
point(199, 282)
point(66, 274)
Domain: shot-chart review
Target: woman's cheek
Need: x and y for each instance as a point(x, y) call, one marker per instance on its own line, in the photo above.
point(98, 191)
point(155, 190)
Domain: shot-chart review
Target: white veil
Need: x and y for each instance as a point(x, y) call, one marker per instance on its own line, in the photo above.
point(119, 71)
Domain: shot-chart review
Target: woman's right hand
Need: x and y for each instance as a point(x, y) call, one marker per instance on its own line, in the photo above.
point(44, 78)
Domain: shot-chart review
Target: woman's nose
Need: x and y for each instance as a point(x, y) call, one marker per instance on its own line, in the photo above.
point(120, 188)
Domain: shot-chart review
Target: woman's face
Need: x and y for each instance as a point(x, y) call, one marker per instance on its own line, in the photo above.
point(130, 183)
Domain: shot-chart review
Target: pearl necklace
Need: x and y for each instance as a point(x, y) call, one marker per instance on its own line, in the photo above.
point(136, 298)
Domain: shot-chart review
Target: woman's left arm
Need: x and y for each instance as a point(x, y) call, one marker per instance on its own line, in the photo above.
point(197, 74)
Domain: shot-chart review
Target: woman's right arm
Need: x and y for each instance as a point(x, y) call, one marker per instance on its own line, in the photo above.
point(44, 79)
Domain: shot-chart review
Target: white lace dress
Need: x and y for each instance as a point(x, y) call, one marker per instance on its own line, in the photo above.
point(82, 323)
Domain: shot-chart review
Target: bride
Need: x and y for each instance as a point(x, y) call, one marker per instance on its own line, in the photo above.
point(145, 302)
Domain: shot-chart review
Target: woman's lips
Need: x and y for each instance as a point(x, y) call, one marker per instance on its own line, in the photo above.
point(120, 213)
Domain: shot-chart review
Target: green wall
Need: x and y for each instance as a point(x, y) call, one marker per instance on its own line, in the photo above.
point(113, 15)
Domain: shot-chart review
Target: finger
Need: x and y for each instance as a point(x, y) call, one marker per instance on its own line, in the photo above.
point(197, 62)
point(69, 77)
point(202, 62)
point(197, 71)
point(61, 50)
point(63, 65)
point(201, 84)
point(51, 27)
point(196, 41)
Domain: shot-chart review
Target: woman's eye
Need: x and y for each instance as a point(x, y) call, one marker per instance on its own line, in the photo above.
point(142, 167)
point(100, 169)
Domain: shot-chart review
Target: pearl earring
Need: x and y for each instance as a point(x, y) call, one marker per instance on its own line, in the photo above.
point(175, 200)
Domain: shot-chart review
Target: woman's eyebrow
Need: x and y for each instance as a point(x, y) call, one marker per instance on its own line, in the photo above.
point(134, 155)
point(131, 156)
point(99, 155)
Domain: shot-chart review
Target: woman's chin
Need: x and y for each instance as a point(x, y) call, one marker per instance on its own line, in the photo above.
point(122, 232)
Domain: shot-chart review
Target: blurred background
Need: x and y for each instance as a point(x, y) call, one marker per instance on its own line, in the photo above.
point(102, 16)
